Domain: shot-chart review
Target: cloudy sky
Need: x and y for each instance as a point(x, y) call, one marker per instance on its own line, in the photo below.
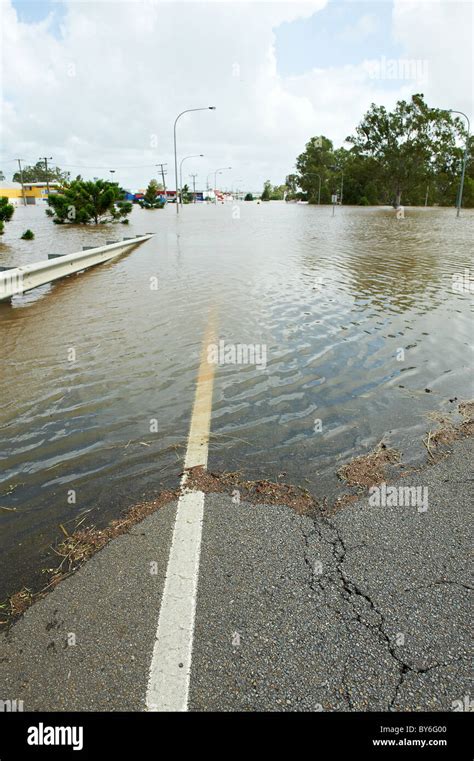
point(96, 84)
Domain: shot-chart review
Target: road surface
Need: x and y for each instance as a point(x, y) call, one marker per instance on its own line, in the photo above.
point(365, 611)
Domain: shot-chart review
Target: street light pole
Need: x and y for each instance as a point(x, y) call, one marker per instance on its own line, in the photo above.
point(221, 169)
point(188, 110)
point(464, 162)
point(194, 156)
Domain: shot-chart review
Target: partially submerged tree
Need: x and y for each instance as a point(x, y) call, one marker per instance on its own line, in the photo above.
point(85, 202)
point(186, 194)
point(6, 213)
point(408, 145)
point(315, 170)
point(151, 198)
point(267, 190)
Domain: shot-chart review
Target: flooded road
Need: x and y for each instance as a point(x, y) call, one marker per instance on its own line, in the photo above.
point(98, 370)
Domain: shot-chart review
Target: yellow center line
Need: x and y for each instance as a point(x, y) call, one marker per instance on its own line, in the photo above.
point(170, 669)
point(199, 431)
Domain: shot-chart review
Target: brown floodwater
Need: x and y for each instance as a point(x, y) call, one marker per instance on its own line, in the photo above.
point(332, 300)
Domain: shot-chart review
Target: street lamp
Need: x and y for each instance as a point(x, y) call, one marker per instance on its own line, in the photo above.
point(464, 162)
point(221, 169)
point(194, 156)
point(187, 111)
point(112, 172)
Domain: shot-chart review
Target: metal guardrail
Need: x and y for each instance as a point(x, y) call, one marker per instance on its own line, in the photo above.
point(18, 280)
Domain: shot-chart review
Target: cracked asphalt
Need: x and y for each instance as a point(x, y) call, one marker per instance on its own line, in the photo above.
point(365, 611)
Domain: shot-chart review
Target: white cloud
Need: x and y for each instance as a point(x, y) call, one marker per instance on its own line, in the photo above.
point(107, 92)
point(364, 27)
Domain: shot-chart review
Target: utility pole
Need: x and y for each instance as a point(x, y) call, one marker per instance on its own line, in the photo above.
point(194, 186)
point(46, 159)
point(194, 156)
point(21, 180)
point(163, 176)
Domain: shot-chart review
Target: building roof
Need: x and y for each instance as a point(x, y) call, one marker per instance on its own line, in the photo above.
point(10, 185)
point(40, 184)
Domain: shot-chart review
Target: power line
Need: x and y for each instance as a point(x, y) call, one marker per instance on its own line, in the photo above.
point(86, 166)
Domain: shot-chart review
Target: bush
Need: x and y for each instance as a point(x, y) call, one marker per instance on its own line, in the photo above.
point(6, 212)
point(248, 197)
point(28, 235)
point(89, 202)
point(152, 199)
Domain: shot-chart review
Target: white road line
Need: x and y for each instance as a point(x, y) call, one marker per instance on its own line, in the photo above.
point(170, 670)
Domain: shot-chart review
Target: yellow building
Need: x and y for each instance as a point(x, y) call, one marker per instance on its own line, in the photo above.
point(34, 191)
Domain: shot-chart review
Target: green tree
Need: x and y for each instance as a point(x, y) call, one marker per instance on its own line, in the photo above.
point(84, 202)
point(151, 198)
point(248, 197)
point(291, 186)
point(6, 213)
point(277, 192)
point(316, 161)
point(37, 173)
point(267, 191)
point(408, 145)
point(186, 194)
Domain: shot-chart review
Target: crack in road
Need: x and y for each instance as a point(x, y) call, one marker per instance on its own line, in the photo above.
point(350, 592)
